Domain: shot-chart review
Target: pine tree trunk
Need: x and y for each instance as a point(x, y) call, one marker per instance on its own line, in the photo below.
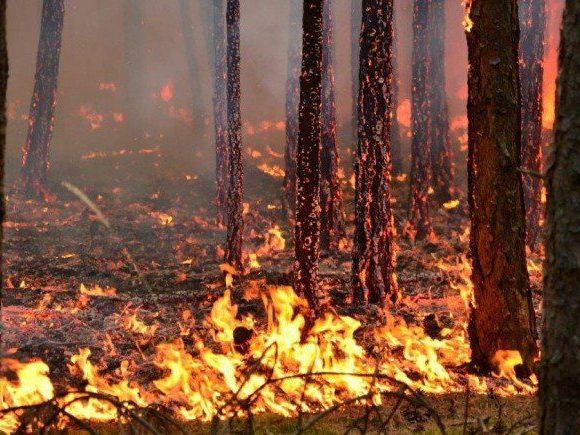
point(355, 24)
point(292, 103)
point(442, 167)
point(307, 230)
point(332, 228)
point(220, 108)
point(372, 259)
point(560, 374)
point(3, 87)
point(396, 143)
point(135, 99)
point(502, 316)
point(41, 118)
point(533, 23)
point(420, 120)
point(235, 222)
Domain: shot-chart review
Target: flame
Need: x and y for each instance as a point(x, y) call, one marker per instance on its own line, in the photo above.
point(404, 113)
point(450, 205)
point(166, 92)
point(273, 170)
point(97, 290)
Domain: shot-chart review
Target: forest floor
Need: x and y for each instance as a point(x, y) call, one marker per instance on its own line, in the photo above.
point(69, 283)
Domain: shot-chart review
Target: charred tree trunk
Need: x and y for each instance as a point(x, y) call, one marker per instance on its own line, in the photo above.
point(396, 144)
point(420, 122)
point(442, 167)
point(355, 23)
point(560, 374)
point(533, 23)
point(372, 259)
point(41, 118)
point(502, 316)
point(307, 230)
point(235, 221)
point(194, 75)
point(3, 87)
point(220, 107)
point(330, 192)
point(135, 99)
point(292, 103)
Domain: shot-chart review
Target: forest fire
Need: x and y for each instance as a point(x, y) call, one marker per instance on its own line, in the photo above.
point(213, 242)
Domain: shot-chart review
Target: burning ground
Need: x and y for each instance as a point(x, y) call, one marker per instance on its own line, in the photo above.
point(147, 313)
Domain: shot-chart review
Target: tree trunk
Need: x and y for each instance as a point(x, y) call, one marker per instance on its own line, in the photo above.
point(235, 171)
point(41, 118)
point(396, 143)
point(355, 24)
point(135, 98)
point(3, 87)
point(560, 374)
point(220, 107)
point(307, 230)
point(420, 120)
point(533, 23)
point(502, 316)
point(372, 259)
point(330, 192)
point(292, 102)
point(442, 167)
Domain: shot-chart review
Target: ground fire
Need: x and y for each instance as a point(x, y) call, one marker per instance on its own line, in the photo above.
point(296, 216)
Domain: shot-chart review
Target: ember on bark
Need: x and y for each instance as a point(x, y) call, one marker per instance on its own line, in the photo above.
point(307, 229)
point(35, 159)
point(502, 316)
point(373, 258)
point(235, 219)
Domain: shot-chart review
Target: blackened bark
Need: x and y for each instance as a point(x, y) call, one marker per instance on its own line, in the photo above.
point(307, 229)
point(292, 103)
point(135, 98)
point(441, 164)
point(420, 122)
point(355, 23)
point(332, 228)
point(220, 108)
point(533, 22)
point(396, 143)
point(372, 259)
point(235, 222)
point(35, 160)
point(502, 317)
point(3, 87)
point(560, 374)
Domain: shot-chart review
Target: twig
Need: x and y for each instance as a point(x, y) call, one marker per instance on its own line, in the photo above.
point(531, 173)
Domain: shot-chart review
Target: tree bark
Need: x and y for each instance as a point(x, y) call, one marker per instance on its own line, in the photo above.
point(420, 122)
point(533, 23)
point(372, 259)
point(355, 24)
point(396, 143)
point(560, 374)
point(332, 228)
point(502, 315)
point(235, 171)
point(35, 160)
point(441, 164)
point(292, 103)
point(307, 229)
point(3, 87)
point(220, 110)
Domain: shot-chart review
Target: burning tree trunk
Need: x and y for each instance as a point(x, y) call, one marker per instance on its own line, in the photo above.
point(235, 171)
point(421, 143)
point(135, 99)
point(292, 102)
point(41, 117)
point(330, 191)
point(307, 230)
point(3, 87)
point(372, 259)
point(220, 114)
point(396, 145)
point(560, 374)
point(502, 315)
point(533, 22)
point(442, 168)
point(355, 23)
